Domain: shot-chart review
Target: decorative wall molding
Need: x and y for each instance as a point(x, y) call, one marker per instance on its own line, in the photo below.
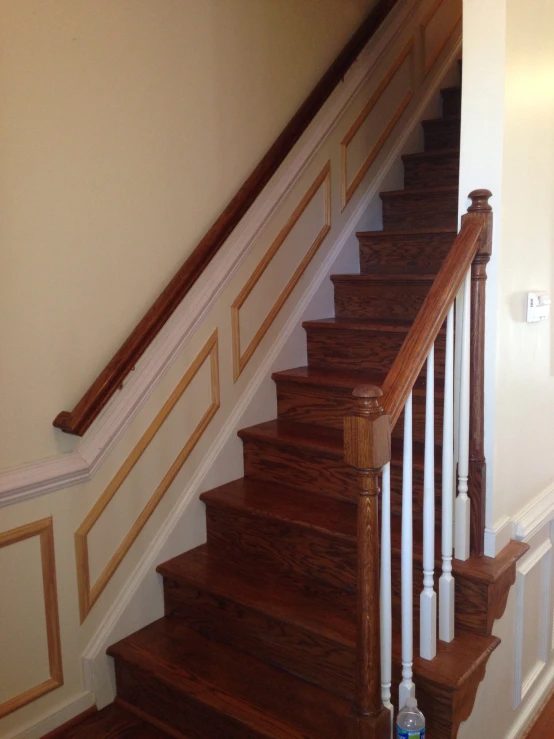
point(427, 64)
point(348, 190)
point(67, 469)
point(536, 514)
point(43, 529)
point(241, 359)
point(542, 556)
point(88, 595)
point(95, 664)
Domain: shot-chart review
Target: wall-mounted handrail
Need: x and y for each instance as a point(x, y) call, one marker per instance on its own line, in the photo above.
point(112, 376)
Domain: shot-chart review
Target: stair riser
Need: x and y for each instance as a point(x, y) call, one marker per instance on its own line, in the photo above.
point(361, 350)
point(323, 407)
point(451, 102)
point(176, 709)
point(441, 134)
point(297, 551)
point(421, 210)
point(311, 656)
point(407, 253)
point(310, 470)
point(432, 172)
point(377, 300)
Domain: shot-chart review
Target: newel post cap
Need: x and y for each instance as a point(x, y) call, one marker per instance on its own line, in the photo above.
point(479, 201)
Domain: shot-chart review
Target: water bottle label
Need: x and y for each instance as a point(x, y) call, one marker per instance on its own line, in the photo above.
point(407, 734)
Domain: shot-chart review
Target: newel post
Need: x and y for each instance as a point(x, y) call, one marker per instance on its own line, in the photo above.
point(481, 210)
point(367, 440)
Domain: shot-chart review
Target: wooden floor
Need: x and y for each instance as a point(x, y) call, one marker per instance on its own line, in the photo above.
point(544, 725)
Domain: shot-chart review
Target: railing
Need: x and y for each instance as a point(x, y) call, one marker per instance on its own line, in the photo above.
point(459, 285)
point(110, 380)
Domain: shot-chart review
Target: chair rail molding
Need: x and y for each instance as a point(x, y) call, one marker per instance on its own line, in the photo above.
point(537, 513)
point(71, 468)
point(77, 466)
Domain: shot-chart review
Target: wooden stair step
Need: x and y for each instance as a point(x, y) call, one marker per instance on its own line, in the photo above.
point(451, 101)
point(302, 630)
point(205, 689)
point(419, 251)
point(300, 535)
point(426, 207)
point(361, 345)
point(432, 168)
point(442, 133)
point(380, 296)
point(311, 458)
point(323, 397)
point(112, 722)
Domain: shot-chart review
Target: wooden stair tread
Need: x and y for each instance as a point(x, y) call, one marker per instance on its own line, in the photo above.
point(406, 232)
point(252, 587)
point(409, 277)
point(328, 515)
point(433, 154)
point(240, 686)
point(417, 192)
point(342, 379)
point(323, 439)
point(443, 119)
point(112, 722)
point(360, 324)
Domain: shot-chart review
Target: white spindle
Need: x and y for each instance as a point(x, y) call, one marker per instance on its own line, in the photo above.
point(386, 595)
point(446, 582)
point(428, 597)
point(462, 501)
point(407, 687)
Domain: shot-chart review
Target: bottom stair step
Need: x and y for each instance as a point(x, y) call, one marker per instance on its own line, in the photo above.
point(202, 689)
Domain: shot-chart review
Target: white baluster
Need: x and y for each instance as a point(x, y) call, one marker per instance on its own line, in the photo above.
point(446, 582)
point(461, 542)
point(386, 595)
point(428, 597)
point(407, 687)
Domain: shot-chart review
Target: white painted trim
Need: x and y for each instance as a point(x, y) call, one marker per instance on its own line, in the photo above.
point(95, 664)
point(498, 536)
point(535, 515)
point(37, 478)
point(65, 712)
point(528, 713)
point(543, 555)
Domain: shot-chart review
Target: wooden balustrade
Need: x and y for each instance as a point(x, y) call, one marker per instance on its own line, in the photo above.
point(367, 444)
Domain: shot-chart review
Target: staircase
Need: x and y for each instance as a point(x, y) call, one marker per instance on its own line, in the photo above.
point(259, 634)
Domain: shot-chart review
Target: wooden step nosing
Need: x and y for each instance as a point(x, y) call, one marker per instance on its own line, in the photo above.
point(385, 279)
point(441, 121)
point(409, 232)
point(433, 154)
point(149, 719)
point(347, 325)
point(418, 192)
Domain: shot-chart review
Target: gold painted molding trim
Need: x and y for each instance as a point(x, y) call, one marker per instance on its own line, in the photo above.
point(347, 190)
point(45, 530)
point(240, 360)
point(426, 66)
point(89, 595)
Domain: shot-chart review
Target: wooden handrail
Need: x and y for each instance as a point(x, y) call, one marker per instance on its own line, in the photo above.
point(112, 376)
point(473, 236)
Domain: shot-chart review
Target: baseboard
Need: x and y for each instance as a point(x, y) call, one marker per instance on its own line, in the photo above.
point(67, 711)
point(498, 536)
point(536, 514)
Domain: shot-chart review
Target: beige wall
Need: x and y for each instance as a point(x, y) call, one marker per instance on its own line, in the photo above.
point(124, 130)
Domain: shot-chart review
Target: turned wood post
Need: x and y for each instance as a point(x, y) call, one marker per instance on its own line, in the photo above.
point(367, 443)
point(477, 485)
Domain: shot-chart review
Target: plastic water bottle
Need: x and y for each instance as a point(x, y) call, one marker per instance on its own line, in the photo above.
point(410, 722)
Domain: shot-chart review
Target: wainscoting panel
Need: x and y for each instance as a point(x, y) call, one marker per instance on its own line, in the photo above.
point(89, 591)
point(27, 563)
point(442, 15)
point(312, 216)
point(368, 135)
